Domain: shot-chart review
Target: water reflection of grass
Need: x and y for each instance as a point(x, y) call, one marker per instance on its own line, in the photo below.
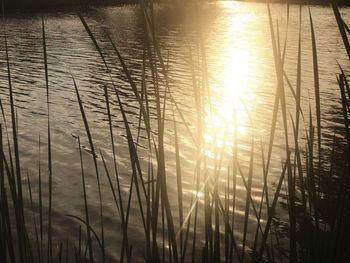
point(316, 183)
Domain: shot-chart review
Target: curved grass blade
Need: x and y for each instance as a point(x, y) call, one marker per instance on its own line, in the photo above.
point(87, 129)
point(86, 209)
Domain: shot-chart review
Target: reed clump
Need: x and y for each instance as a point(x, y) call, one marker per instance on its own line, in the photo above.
point(203, 227)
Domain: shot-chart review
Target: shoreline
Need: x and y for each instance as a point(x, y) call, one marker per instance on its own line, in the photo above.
point(62, 5)
point(342, 3)
point(42, 5)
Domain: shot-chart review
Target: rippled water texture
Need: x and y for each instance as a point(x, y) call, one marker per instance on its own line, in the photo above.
point(242, 81)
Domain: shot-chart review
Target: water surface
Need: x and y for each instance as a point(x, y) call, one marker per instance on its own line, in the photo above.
point(242, 88)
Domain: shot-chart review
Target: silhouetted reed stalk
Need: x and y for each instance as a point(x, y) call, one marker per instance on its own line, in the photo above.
point(15, 178)
point(94, 156)
point(120, 206)
point(342, 26)
point(49, 253)
point(89, 244)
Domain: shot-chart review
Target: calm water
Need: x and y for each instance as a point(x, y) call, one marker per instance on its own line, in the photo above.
point(243, 83)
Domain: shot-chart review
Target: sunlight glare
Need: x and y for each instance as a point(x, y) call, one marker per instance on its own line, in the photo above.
point(231, 88)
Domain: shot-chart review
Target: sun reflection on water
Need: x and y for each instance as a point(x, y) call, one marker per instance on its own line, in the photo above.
point(231, 88)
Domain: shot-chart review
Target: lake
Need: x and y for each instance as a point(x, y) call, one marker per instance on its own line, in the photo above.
point(239, 101)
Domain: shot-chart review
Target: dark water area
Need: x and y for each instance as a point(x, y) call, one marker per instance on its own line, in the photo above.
point(65, 4)
point(55, 5)
point(242, 85)
point(302, 2)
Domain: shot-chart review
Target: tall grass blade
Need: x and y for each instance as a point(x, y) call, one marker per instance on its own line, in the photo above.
point(92, 147)
point(318, 106)
point(248, 196)
point(120, 207)
point(341, 26)
point(272, 212)
point(18, 201)
point(50, 255)
point(179, 182)
point(86, 209)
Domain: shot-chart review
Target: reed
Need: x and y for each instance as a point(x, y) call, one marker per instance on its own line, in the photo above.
point(94, 155)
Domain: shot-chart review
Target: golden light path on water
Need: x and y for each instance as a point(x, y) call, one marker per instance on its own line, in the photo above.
point(231, 90)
